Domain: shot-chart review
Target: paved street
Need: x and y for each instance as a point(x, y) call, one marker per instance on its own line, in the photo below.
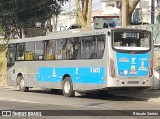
point(36, 99)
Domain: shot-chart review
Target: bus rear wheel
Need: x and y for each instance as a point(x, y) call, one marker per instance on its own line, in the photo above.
point(21, 84)
point(67, 87)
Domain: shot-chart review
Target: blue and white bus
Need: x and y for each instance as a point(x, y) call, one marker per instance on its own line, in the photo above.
point(82, 60)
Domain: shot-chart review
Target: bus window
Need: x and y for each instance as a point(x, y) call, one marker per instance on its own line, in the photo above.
point(61, 48)
point(29, 51)
point(131, 39)
point(11, 53)
point(39, 50)
point(100, 46)
point(50, 50)
point(93, 47)
point(144, 42)
point(86, 47)
point(77, 49)
point(20, 51)
point(69, 48)
point(73, 49)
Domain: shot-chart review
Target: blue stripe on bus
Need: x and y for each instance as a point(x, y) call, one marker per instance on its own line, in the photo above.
point(78, 75)
point(133, 64)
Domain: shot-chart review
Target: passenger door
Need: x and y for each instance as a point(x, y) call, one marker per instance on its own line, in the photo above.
point(11, 56)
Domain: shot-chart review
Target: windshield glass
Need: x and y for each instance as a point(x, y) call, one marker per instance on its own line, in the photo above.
point(131, 40)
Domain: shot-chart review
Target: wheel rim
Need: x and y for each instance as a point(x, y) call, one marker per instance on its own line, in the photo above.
point(67, 87)
point(22, 83)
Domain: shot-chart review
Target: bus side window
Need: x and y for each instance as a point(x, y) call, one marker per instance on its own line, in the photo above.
point(77, 48)
point(11, 53)
point(100, 46)
point(39, 50)
point(73, 49)
point(50, 49)
point(86, 47)
point(69, 48)
point(61, 48)
point(89, 47)
point(20, 51)
point(29, 51)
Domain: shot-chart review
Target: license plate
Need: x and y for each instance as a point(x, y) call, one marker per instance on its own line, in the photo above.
point(133, 82)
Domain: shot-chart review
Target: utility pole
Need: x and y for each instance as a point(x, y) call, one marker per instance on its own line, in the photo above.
point(125, 6)
point(152, 11)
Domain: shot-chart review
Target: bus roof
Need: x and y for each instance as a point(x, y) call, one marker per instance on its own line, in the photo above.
point(63, 34)
point(70, 33)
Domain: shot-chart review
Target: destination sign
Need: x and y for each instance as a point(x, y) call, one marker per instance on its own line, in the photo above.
point(130, 35)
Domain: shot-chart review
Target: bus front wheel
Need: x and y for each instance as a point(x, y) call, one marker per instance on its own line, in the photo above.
point(67, 87)
point(21, 84)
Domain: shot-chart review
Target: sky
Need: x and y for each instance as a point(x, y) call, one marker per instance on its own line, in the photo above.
point(96, 5)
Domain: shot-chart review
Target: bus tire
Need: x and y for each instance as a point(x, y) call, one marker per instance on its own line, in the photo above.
point(22, 88)
point(67, 87)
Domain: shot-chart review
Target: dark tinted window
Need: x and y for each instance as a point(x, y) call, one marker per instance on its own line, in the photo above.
point(39, 50)
point(92, 47)
point(20, 51)
point(61, 48)
point(50, 52)
point(73, 49)
point(30, 46)
point(88, 47)
point(100, 45)
point(11, 53)
point(131, 39)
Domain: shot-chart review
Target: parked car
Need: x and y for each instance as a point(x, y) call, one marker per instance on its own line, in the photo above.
point(157, 78)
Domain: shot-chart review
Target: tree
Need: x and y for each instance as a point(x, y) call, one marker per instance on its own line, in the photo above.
point(16, 15)
point(130, 7)
point(20, 14)
point(84, 10)
point(56, 10)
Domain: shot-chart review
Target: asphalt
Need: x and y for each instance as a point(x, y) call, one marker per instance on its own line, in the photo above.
point(150, 95)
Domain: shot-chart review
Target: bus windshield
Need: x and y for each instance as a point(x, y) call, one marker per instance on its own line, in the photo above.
point(131, 40)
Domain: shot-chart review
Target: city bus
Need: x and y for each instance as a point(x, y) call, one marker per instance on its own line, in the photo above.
point(82, 60)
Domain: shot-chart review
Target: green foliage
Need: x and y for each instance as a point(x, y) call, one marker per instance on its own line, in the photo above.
point(62, 1)
point(3, 44)
point(56, 8)
point(24, 13)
